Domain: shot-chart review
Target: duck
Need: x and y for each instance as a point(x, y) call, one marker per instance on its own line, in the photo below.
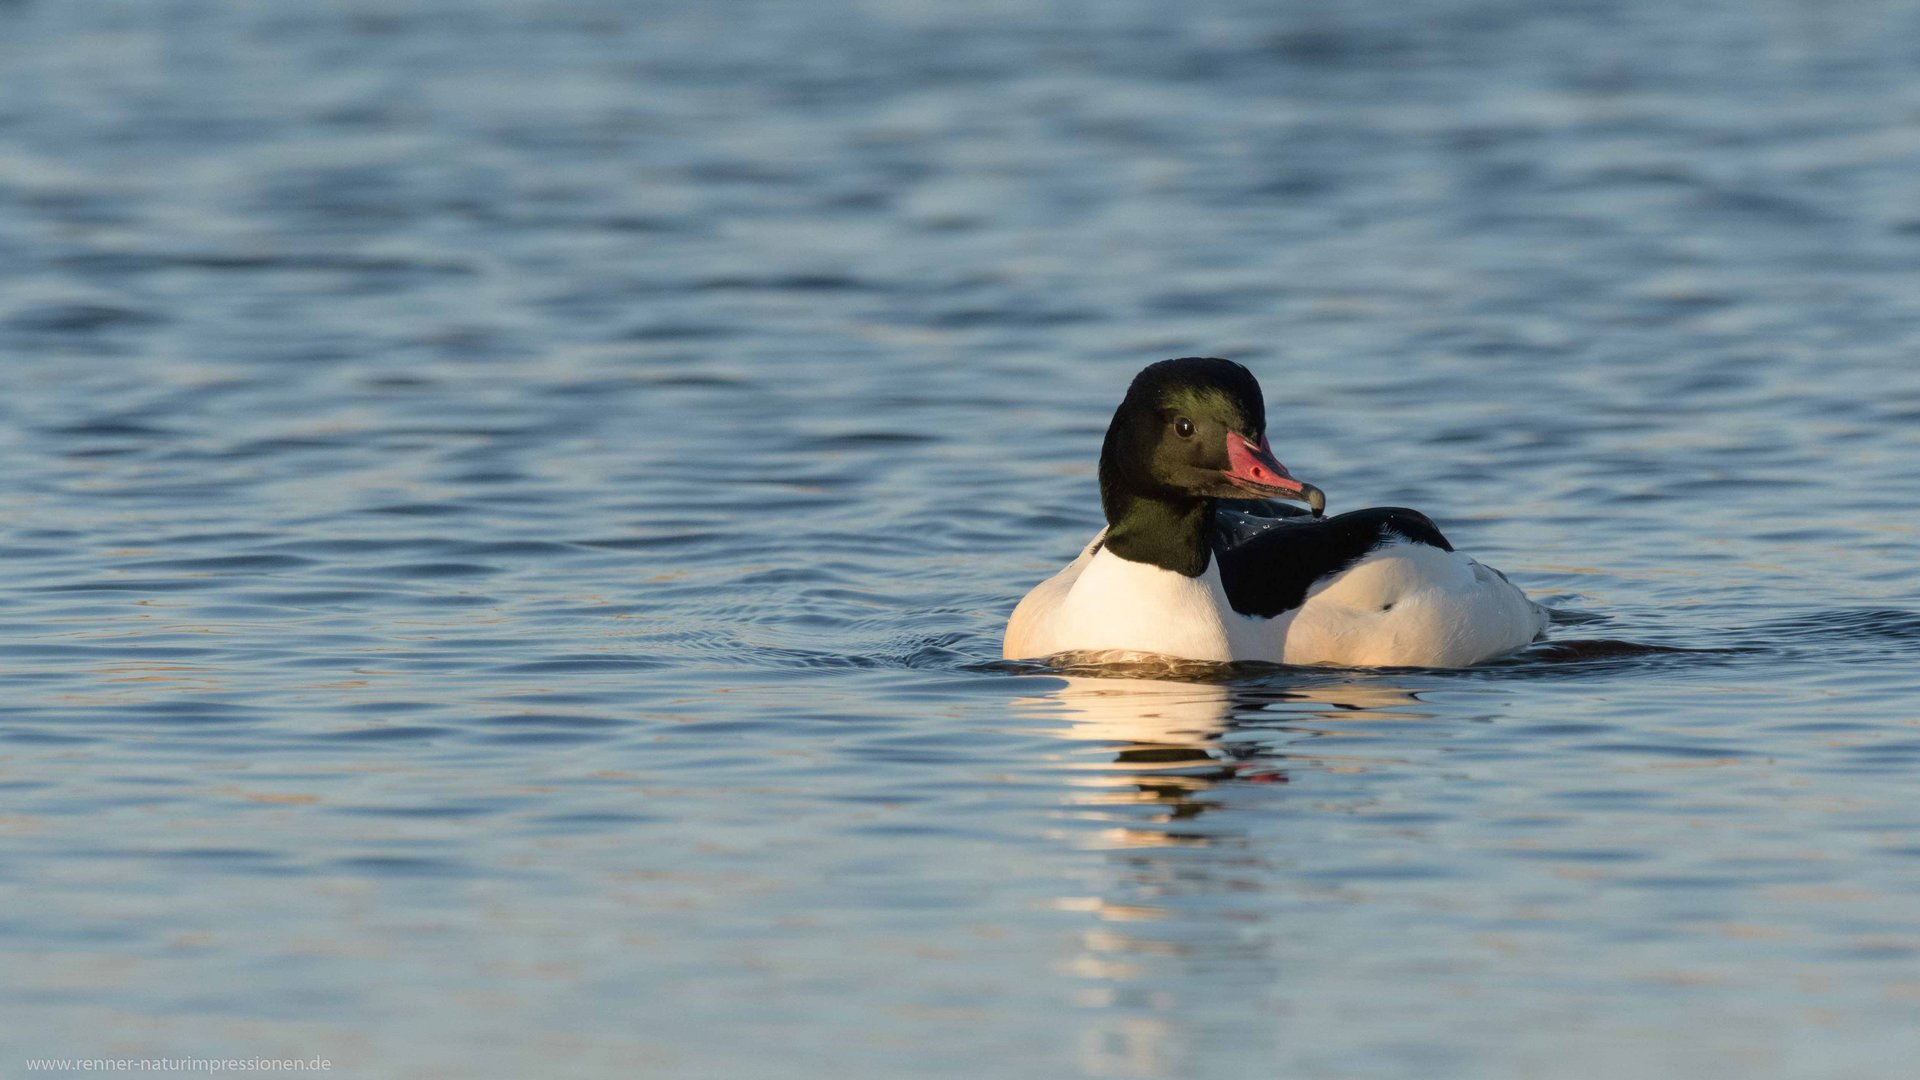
point(1200, 560)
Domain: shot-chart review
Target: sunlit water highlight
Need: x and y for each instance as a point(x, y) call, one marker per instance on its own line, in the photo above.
point(509, 509)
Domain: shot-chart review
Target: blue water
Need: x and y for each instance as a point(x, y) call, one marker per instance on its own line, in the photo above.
point(508, 510)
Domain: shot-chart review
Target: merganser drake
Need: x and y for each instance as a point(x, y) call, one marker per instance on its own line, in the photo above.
point(1191, 565)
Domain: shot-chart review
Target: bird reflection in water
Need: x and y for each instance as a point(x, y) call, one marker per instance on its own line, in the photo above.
point(1176, 730)
point(1174, 915)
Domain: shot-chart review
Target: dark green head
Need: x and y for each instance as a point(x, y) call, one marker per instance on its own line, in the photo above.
point(1190, 431)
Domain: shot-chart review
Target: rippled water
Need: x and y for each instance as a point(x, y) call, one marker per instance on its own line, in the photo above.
point(508, 511)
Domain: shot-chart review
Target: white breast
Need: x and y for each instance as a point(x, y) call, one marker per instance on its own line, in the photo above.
point(1104, 603)
point(1403, 605)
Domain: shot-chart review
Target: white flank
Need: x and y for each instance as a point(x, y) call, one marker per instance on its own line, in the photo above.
point(1402, 605)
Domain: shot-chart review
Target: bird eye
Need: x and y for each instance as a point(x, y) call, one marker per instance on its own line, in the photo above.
point(1184, 427)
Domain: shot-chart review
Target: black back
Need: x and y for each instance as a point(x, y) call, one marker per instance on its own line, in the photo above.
point(1267, 563)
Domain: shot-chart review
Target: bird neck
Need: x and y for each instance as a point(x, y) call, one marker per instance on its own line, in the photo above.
point(1172, 533)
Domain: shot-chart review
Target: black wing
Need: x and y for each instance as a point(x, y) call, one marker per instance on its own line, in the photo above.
point(1236, 521)
point(1268, 564)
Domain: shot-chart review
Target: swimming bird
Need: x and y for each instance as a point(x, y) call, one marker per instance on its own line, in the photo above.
point(1193, 564)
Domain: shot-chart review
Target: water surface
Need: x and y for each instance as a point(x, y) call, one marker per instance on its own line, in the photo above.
point(509, 507)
